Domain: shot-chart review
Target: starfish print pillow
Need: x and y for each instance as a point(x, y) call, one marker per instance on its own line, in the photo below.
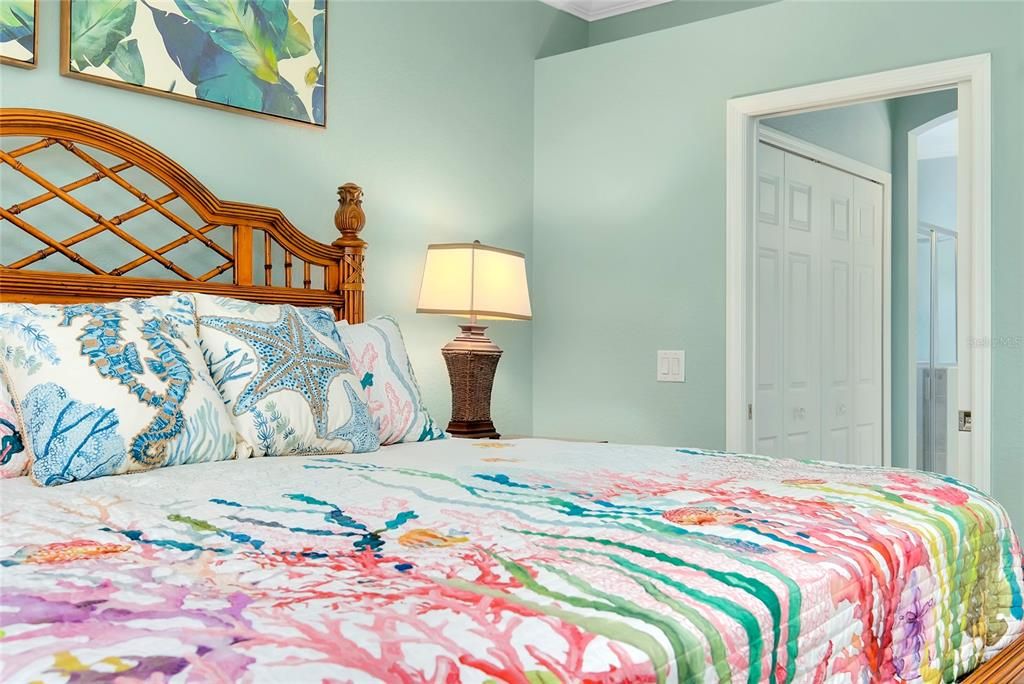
point(285, 378)
point(13, 457)
point(110, 388)
point(382, 364)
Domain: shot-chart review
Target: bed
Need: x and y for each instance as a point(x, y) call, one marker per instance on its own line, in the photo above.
point(470, 560)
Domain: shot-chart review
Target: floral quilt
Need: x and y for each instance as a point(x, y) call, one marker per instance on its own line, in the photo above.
point(519, 561)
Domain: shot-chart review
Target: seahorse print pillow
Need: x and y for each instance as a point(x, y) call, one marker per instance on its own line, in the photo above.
point(380, 360)
point(285, 377)
point(13, 458)
point(112, 388)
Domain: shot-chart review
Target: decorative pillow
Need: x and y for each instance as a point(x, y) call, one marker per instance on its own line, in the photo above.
point(112, 388)
point(380, 360)
point(13, 457)
point(285, 377)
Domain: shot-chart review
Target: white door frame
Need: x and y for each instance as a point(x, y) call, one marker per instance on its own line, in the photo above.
point(972, 78)
point(884, 178)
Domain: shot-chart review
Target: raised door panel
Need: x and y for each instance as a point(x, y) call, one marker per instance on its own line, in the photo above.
point(867, 321)
point(802, 227)
point(836, 316)
point(769, 391)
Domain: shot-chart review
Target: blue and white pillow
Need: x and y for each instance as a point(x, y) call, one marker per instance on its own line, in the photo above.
point(380, 360)
point(285, 377)
point(112, 388)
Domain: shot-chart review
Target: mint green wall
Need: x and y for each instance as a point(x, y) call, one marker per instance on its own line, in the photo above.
point(429, 109)
point(664, 16)
point(629, 242)
point(859, 131)
point(909, 113)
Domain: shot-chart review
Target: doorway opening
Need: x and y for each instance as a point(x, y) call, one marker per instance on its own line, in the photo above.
point(903, 436)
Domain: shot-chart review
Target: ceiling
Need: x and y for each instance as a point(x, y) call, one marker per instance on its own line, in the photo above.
point(592, 10)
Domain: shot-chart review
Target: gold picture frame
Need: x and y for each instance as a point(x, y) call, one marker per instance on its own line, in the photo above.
point(20, 63)
point(315, 115)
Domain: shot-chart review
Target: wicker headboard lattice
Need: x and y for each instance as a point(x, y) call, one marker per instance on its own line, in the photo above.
point(296, 269)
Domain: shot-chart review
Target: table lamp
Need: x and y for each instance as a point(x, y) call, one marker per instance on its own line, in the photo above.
point(477, 282)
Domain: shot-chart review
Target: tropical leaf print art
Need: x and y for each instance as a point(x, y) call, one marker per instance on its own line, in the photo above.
point(265, 56)
point(18, 32)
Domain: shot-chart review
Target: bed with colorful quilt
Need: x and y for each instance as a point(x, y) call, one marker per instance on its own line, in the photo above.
point(510, 561)
point(216, 477)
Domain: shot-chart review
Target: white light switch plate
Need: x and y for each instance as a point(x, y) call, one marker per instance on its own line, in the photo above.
point(672, 366)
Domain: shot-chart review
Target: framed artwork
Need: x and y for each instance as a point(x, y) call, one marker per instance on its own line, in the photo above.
point(19, 42)
point(251, 56)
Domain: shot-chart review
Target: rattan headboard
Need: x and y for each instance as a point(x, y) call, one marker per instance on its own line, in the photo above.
point(331, 274)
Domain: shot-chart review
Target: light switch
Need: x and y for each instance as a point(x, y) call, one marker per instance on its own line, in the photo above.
point(672, 366)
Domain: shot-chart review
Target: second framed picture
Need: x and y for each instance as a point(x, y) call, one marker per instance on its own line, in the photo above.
point(262, 58)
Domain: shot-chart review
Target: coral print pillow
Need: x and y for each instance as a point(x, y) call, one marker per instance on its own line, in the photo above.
point(285, 377)
point(112, 388)
point(380, 360)
point(13, 458)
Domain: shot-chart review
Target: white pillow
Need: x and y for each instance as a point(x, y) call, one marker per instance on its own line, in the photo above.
point(13, 457)
point(381, 362)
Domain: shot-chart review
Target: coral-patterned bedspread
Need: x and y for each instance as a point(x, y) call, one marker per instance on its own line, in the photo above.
point(521, 561)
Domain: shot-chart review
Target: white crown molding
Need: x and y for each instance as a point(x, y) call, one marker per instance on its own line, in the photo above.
point(593, 10)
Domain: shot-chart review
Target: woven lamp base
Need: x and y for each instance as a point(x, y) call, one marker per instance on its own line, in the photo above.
point(472, 360)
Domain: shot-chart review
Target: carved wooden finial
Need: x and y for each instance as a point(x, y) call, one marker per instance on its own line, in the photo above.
point(349, 217)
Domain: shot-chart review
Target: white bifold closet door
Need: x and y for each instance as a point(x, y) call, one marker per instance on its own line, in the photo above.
point(818, 311)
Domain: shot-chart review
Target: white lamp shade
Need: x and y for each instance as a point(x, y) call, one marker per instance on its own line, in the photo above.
point(470, 279)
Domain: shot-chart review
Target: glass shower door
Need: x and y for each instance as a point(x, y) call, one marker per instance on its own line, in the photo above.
point(937, 388)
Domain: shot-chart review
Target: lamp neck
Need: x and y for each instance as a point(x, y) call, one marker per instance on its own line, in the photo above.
point(472, 339)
